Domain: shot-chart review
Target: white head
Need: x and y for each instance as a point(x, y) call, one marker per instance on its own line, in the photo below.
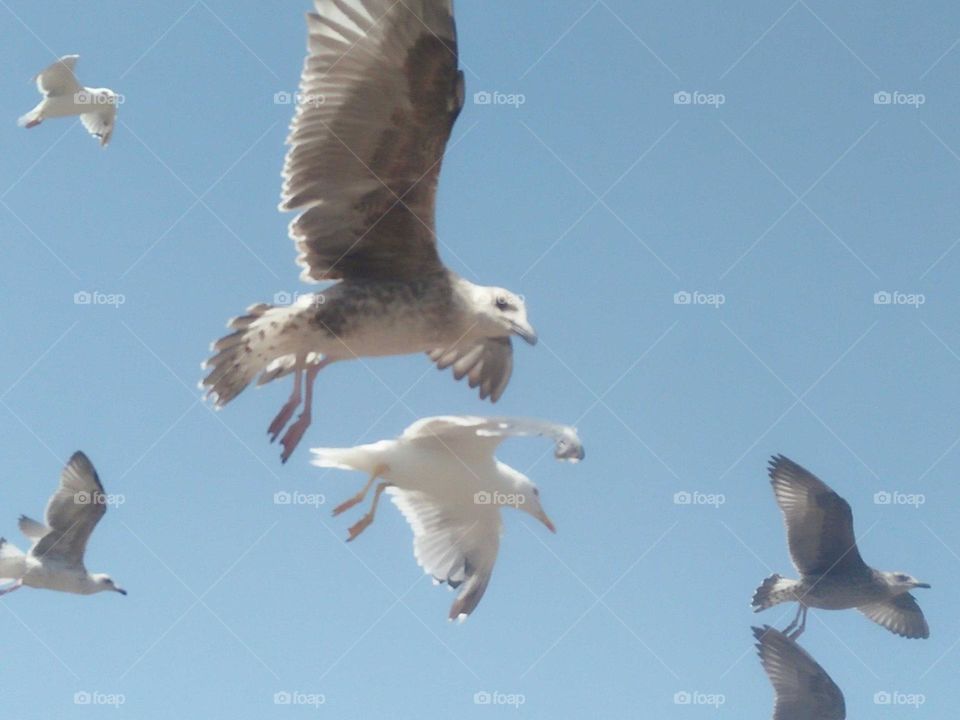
point(502, 313)
point(901, 582)
point(525, 494)
point(101, 582)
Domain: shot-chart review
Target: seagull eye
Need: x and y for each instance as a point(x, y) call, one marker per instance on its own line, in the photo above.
point(502, 304)
point(536, 492)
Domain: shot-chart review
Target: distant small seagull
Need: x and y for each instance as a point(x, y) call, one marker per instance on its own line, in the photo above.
point(63, 96)
point(833, 576)
point(442, 475)
point(802, 689)
point(55, 560)
point(379, 95)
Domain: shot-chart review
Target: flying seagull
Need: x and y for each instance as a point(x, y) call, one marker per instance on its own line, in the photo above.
point(442, 475)
point(55, 560)
point(379, 95)
point(63, 96)
point(802, 689)
point(833, 576)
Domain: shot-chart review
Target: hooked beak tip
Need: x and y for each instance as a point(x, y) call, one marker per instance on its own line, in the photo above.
point(526, 332)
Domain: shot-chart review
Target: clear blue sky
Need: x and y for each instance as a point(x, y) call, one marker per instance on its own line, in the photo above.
point(796, 199)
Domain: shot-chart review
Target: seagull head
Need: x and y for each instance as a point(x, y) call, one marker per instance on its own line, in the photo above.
point(901, 582)
point(103, 582)
point(568, 446)
point(502, 313)
point(526, 495)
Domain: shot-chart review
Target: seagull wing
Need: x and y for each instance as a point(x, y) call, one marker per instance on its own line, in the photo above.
point(31, 528)
point(456, 544)
point(379, 94)
point(487, 363)
point(802, 689)
point(72, 512)
point(901, 615)
point(819, 522)
point(58, 78)
point(100, 122)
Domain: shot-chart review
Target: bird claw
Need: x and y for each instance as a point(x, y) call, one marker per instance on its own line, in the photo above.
point(358, 527)
point(293, 436)
point(281, 420)
point(347, 504)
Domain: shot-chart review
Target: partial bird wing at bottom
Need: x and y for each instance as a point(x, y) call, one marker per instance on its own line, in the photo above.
point(488, 364)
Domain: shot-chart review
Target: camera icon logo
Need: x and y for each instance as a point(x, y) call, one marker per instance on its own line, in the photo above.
point(282, 698)
point(682, 298)
point(881, 698)
point(81, 698)
point(681, 698)
point(882, 297)
point(482, 98)
point(82, 497)
point(682, 97)
point(882, 498)
point(482, 498)
point(282, 498)
point(882, 98)
point(682, 498)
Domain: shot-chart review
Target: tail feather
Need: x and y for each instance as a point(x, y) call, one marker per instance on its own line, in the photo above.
point(11, 560)
point(772, 591)
point(353, 458)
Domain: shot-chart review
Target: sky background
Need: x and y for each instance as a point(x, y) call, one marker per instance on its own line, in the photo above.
point(599, 198)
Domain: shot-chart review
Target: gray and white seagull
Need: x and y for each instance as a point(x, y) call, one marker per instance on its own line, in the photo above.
point(379, 95)
point(802, 689)
point(55, 560)
point(833, 576)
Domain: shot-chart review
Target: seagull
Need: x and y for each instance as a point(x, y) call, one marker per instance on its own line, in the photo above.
point(443, 477)
point(63, 96)
point(379, 95)
point(833, 576)
point(55, 560)
point(802, 689)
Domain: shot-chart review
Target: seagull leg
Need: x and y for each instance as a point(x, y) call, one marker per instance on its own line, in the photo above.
point(16, 586)
point(33, 123)
point(358, 498)
point(286, 412)
point(796, 619)
point(803, 624)
point(367, 520)
point(295, 432)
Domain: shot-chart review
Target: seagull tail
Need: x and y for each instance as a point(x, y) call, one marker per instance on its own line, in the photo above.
point(248, 351)
point(11, 560)
point(342, 458)
point(31, 118)
point(772, 591)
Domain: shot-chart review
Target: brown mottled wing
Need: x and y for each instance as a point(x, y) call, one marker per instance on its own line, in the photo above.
point(456, 544)
point(379, 94)
point(488, 364)
point(819, 522)
point(900, 615)
point(802, 689)
point(72, 512)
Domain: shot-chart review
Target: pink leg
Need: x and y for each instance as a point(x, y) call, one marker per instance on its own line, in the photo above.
point(33, 123)
point(295, 432)
point(16, 586)
point(286, 412)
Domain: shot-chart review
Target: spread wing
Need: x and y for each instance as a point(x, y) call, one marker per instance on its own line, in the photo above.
point(379, 94)
point(100, 122)
point(802, 689)
point(58, 78)
point(488, 364)
point(491, 431)
point(72, 512)
point(901, 615)
point(456, 544)
point(819, 522)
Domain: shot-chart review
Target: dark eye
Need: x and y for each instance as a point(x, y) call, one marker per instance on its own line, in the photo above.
point(502, 303)
point(536, 492)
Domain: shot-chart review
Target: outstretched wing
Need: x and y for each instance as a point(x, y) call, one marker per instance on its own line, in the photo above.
point(379, 94)
point(488, 364)
point(819, 522)
point(901, 615)
point(72, 512)
point(456, 544)
point(802, 689)
point(58, 78)
point(100, 122)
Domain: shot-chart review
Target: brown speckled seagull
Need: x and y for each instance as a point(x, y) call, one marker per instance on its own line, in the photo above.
point(379, 95)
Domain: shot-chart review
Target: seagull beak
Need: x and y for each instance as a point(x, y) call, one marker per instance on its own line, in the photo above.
point(542, 517)
point(922, 585)
point(525, 330)
point(121, 591)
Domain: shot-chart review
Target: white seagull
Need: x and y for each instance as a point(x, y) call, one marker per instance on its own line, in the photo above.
point(833, 576)
point(802, 689)
point(64, 96)
point(442, 475)
point(55, 560)
point(379, 95)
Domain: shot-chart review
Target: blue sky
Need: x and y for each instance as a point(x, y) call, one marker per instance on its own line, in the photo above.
point(782, 198)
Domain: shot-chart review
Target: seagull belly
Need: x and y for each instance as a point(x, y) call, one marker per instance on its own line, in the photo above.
point(830, 592)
